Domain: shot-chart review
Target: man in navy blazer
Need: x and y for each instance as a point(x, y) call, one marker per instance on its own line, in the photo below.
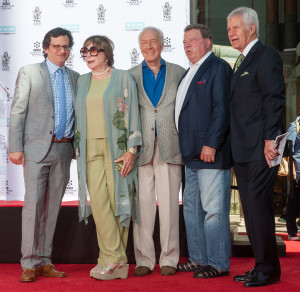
point(202, 119)
point(256, 118)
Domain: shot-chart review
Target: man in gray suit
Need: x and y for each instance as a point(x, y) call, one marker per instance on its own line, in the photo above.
point(160, 163)
point(40, 139)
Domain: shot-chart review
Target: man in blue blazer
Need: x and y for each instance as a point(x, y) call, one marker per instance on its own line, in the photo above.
point(256, 118)
point(202, 119)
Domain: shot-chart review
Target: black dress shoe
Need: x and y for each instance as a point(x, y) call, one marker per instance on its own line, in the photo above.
point(246, 277)
point(259, 279)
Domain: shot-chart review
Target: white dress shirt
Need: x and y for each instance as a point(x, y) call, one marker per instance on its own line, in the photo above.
point(249, 47)
point(184, 85)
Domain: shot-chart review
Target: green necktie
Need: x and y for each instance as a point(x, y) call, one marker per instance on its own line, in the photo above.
point(238, 62)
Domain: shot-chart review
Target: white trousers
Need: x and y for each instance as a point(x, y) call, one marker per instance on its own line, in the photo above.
point(164, 180)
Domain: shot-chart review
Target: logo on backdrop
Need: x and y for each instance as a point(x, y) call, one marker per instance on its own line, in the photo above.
point(37, 15)
point(8, 189)
point(4, 95)
point(69, 3)
point(3, 103)
point(5, 5)
point(3, 151)
point(134, 2)
point(37, 50)
point(167, 45)
point(70, 61)
point(134, 57)
point(9, 99)
point(167, 11)
point(101, 14)
point(5, 61)
point(70, 190)
point(6, 30)
point(71, 27)
point(3, 187)
point(134, 26)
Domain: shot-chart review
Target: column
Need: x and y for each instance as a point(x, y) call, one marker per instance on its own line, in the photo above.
point(272, 25)
point(290, 23)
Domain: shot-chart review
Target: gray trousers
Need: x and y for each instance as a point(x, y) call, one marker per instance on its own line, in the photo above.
point(45, 184)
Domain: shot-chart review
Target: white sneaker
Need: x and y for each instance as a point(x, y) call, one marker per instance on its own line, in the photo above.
point(294, 238)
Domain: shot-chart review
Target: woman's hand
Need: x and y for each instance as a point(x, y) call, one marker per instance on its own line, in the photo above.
point(128, 161)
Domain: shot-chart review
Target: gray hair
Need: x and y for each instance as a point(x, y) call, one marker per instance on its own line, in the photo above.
point(156, 30)
point(249, 17)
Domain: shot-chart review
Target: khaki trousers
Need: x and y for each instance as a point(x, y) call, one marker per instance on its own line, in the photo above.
point(161, 179)
point(112, 237)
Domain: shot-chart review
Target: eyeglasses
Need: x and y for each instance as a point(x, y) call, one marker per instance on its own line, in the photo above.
point(93, 51)
point(58, 47)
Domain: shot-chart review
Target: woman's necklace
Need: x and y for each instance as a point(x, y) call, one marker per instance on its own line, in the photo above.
point(99, 74)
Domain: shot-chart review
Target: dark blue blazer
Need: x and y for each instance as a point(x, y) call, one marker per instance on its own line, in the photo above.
point(204, 116)
point(257, 103)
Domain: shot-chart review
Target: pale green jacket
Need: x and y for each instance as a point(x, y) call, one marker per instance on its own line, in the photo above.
point(123, 128)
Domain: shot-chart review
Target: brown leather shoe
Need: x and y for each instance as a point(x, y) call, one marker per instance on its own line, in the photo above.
point(49, 271)
point(167, 271)
point(28, 275)
point(141, 271)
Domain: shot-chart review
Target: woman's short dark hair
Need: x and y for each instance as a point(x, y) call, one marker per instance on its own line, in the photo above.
point(55, 33)
point(102, 42)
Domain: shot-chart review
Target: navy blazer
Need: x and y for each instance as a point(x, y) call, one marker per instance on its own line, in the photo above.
point(257, 103)
point(204, 116)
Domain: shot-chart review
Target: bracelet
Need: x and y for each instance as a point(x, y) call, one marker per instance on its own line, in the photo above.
point(132, 150)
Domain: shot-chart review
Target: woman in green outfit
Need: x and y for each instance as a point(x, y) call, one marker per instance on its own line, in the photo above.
point(107, 138)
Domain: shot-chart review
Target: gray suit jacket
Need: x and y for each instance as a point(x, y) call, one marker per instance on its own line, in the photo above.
point(32, 115)
point(163, 115)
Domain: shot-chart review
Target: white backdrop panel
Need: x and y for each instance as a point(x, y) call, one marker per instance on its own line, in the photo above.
point(23, 25)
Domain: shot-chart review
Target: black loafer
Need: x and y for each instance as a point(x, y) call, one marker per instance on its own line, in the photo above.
point(246, 277)
point(259, 279)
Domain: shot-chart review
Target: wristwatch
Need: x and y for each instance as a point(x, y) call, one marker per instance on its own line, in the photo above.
point(132, 150)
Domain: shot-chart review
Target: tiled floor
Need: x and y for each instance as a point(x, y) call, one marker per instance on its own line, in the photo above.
point(235, 219)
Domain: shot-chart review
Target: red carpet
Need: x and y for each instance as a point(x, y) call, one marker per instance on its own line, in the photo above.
point(78, 278)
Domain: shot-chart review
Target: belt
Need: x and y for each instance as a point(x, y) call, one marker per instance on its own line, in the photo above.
point(63, 140)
